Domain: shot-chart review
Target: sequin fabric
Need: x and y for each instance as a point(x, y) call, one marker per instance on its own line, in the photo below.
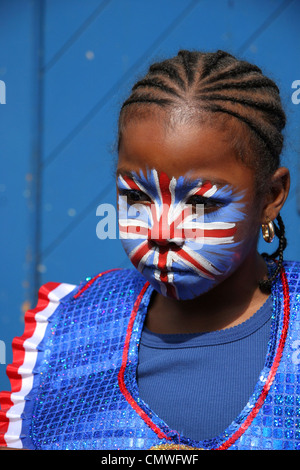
point(85, 393)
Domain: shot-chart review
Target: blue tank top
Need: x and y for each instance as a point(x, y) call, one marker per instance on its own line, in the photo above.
point(212, 375)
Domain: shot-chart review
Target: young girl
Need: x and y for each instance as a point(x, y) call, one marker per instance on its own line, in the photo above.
point(197, 348)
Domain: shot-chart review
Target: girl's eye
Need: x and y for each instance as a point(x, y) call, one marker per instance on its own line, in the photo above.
point(209, 204)
point(134, 195)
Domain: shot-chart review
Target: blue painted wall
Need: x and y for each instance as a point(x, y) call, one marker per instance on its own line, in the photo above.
point(67, 66)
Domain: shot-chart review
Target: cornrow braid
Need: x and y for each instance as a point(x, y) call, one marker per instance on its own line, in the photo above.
point(253, 83)
point(270, 141)
point(265, 106)
point(148, 99)
point(189, 61)
point(206, 78)
point(210, 62)
point(234, 71)
point(167, 69)
point(220, 85)
point(155, 83)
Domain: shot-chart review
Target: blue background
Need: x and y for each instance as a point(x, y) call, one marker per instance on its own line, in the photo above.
point(67, 66)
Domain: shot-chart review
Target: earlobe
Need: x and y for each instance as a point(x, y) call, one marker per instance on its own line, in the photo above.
point(268, 231)
point(277, 194)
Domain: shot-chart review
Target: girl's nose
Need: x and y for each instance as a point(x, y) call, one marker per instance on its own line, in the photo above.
point(161, 241)
point(167, 242)
point(163, 234)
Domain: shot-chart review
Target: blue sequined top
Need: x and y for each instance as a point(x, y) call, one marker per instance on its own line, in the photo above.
point(74, 373)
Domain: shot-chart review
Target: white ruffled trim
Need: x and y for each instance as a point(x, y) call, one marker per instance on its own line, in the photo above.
point(12, 436)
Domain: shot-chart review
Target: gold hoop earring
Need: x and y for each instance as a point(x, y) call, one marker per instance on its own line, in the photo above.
point(268, 231)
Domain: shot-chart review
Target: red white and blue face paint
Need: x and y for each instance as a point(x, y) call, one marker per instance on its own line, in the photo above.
point(179, 233)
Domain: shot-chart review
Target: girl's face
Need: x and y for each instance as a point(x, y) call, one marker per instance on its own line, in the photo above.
point(188, 216)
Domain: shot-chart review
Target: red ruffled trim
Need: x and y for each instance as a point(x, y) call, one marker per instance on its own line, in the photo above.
point(13, 370)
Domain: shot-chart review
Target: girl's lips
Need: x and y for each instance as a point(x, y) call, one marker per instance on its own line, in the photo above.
point(166, 271)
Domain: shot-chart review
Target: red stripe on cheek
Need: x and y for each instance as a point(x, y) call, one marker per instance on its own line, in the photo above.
point(219, 233)
point(138, 255)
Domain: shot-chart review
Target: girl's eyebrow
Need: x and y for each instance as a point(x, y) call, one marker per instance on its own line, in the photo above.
point(211, 179)
point(121, 172)
point(187, 179)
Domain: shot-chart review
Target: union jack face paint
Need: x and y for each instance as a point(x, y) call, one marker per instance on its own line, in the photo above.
point(179, 233)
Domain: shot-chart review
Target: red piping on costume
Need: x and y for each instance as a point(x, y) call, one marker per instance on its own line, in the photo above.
point(19, 356)
point(91, 281)
point(272, 373)
point(121, 380)
point(244, 426)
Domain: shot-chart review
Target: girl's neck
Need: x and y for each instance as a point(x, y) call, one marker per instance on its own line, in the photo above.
point(230, 303)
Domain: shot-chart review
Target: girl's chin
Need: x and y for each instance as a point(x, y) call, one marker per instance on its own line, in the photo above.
point(181, 285)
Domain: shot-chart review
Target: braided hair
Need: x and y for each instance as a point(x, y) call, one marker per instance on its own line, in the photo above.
point(218, 84)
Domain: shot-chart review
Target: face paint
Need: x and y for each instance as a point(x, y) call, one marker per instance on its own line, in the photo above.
point(179, 233)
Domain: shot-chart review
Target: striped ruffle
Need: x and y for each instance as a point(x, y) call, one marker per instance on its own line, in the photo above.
point(25, 358)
